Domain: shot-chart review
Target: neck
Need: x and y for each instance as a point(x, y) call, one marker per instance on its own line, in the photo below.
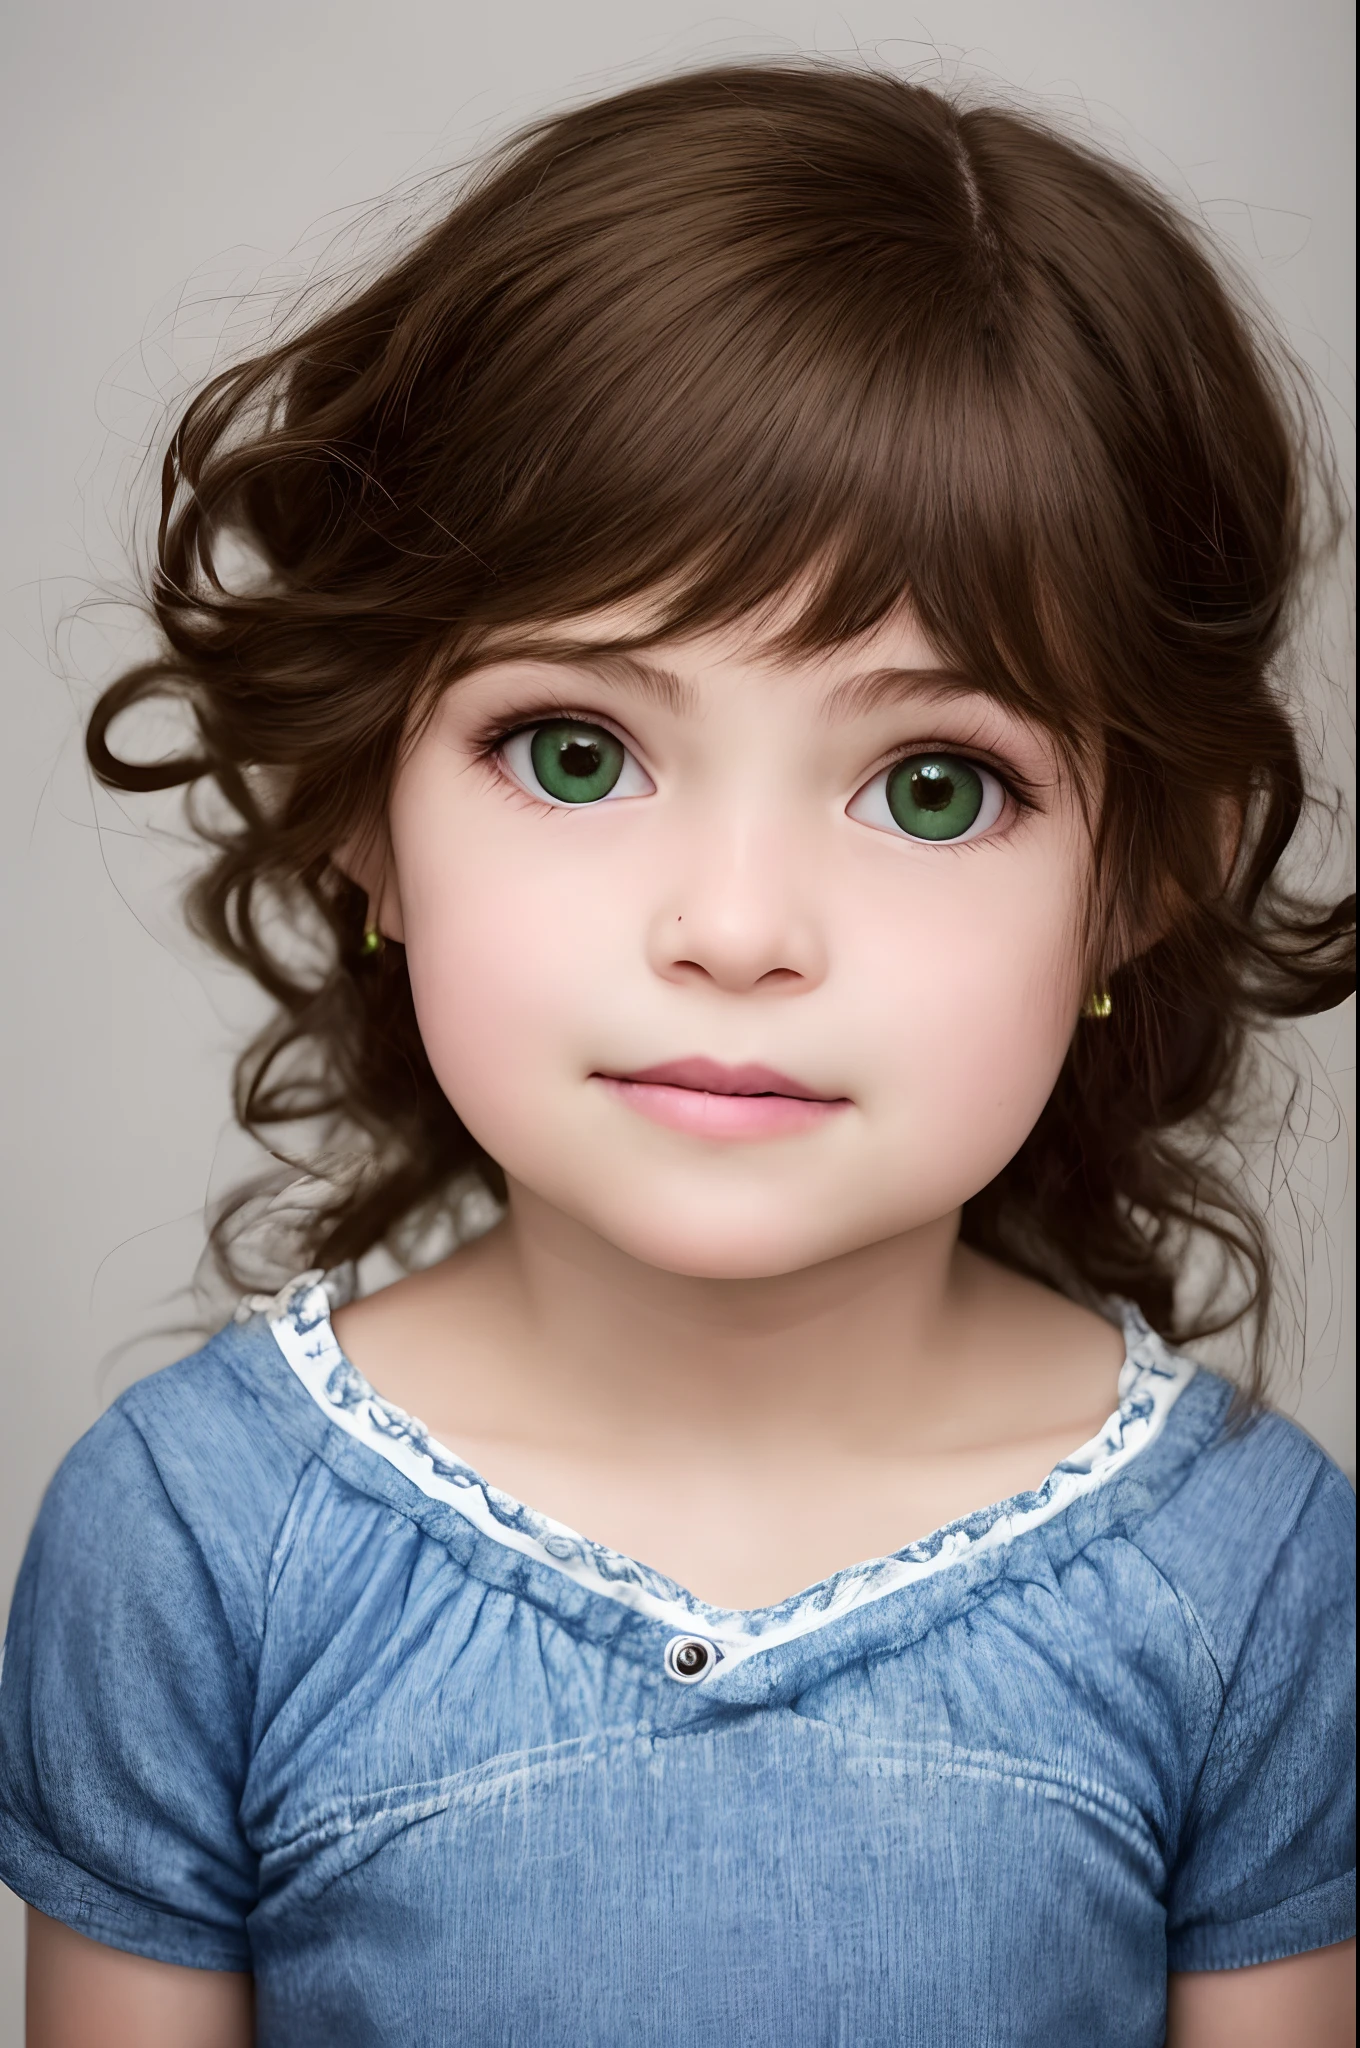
point(816, 1349)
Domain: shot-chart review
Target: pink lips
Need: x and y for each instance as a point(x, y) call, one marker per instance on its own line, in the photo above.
point(712, 1101)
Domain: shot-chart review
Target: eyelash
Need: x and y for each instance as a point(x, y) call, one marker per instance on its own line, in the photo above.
point(488, 740)
point(1019, 790)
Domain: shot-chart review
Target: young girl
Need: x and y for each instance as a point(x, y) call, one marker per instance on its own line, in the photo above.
point(752, 737)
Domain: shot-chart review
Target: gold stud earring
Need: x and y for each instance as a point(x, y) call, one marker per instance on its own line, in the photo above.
point(1098, 1005)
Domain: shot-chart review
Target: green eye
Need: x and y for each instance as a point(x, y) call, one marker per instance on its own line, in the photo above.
point(935, 796)
point(574, 763)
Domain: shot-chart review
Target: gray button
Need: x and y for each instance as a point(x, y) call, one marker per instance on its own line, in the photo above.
point(689, 1658)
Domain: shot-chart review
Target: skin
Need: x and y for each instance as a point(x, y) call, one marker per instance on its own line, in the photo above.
point(734, 909)
point(84, 1995)
point(670, 1325)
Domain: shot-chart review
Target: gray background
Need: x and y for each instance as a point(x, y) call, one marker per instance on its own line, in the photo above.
point(168, 167)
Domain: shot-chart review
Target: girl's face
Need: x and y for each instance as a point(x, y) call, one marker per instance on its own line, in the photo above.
point(743, 962)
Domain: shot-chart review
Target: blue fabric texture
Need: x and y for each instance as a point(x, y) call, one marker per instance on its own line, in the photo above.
point(288, 1688)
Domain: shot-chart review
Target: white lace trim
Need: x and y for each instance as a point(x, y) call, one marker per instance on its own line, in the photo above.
point(1151, 1380)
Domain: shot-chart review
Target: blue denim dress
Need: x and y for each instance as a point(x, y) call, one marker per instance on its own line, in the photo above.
point(289, 1688)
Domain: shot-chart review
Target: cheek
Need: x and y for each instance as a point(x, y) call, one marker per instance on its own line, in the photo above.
point(972, 1013)
point(507, 947)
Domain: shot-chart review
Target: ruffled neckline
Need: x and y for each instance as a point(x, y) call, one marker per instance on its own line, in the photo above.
point(1151, 1380)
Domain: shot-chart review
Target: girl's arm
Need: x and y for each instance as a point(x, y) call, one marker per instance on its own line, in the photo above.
point(84, 1995)
point(1304, 2001)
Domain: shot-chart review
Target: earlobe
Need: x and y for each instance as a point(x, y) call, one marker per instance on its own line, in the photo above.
point(1232, 824)
point(384, 910)
point(367, 860)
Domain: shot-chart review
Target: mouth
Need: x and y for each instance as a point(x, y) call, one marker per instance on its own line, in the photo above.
point(710, 1100)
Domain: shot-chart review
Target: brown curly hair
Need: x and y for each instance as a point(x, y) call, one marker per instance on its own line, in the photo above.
point(717, 337)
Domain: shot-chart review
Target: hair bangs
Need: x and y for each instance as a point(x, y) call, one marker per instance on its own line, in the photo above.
point(790, 442)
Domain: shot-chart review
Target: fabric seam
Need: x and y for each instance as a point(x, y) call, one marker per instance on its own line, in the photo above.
point(1284, 1905)
point(1227, 1682)
point(103, 1908)
point(245, 1667)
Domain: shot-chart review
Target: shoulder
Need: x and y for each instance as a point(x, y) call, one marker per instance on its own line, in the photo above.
point(1259, 1508)
point(222, 1423)
point(1258, 1542)
point(202, 1458)
point(135, 1639)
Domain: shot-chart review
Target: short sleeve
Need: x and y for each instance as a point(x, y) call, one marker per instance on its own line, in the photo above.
point(124, 1719)
point(1266, 1867)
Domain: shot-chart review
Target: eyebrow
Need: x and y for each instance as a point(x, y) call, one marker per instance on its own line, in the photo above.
point(660, 685)
point(880, 686)
point(646, 679)
point(631, 672)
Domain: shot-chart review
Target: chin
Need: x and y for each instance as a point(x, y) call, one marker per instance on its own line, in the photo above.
point(714, 1245)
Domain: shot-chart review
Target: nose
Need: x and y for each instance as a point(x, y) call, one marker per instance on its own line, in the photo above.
point(742, 918)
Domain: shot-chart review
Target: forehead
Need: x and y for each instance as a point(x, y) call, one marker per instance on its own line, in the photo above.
point(629, 646)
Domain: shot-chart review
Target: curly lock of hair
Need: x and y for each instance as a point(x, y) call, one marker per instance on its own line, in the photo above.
point(718, 337)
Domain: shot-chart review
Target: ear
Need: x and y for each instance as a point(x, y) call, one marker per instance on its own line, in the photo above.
point(1232, 824)
point(367, 860)
point(1228, 825)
